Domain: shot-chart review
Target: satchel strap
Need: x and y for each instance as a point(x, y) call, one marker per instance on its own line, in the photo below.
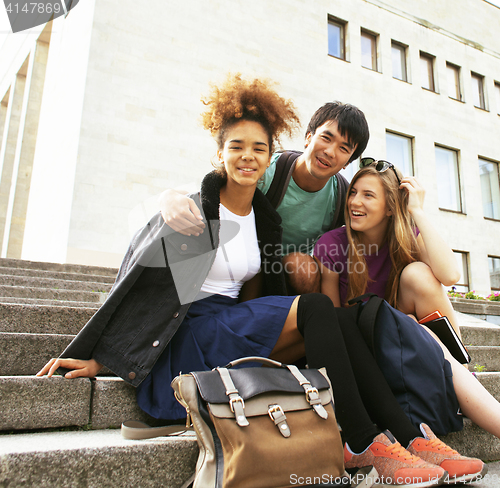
point(312, 393)
point(235, 401)
point(255, 359)
point(133, 429)
point(368, 317)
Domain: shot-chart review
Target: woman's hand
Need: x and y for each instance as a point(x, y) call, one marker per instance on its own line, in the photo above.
point(416, 194)
point(87, 368)
point(181, 213)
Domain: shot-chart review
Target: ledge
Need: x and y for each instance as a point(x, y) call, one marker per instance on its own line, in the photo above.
point(476, 307)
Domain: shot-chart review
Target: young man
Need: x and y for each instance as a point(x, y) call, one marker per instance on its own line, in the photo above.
point(312, 194)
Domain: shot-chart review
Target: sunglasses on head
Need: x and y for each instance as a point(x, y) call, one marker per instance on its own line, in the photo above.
point(380, 165)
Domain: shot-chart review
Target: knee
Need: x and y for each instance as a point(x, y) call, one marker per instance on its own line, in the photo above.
point(315, 301)
point(312, 307)
point(301, 273)
point(418, 276)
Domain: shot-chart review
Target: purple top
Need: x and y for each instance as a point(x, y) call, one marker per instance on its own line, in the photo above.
point(332, 250)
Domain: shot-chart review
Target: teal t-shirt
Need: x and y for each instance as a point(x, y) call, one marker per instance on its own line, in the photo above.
point(305, 216)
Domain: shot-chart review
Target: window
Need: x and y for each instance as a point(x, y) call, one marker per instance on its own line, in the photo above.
point(478, 90)
point(398, 52)
point(463, 266)
point(336, 38)
point(399, 151)
point(494, 266)
point(427, 69)
point(448, 180)
point(497, 95)
point(490, 188)
point(351, 170)
point(453, 75)
point(368, 50)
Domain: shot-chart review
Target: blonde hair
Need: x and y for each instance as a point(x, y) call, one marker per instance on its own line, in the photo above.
point(400, 237)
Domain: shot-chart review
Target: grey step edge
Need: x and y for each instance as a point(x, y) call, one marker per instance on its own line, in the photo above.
point(95, 459)
point(60, 275)
point(67, 268)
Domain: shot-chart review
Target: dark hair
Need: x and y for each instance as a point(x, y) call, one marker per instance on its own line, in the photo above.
point(351, 123)
point(237, 99)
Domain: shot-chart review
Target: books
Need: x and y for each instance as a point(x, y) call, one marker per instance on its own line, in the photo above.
point(442, 327)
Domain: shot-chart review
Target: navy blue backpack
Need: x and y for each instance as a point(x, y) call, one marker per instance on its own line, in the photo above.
point(413, 364)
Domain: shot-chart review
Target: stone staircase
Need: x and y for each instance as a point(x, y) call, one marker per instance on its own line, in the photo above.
point(55, 432)
point(60, 433)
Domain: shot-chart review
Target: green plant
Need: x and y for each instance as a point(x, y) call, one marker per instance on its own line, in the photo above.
point(455, 294)
point(472, 296)
point(479, 368)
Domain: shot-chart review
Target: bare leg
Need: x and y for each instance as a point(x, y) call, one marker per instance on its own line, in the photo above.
point(290, 345)
point(475, 401)
point(420, 293)
point(302, 273)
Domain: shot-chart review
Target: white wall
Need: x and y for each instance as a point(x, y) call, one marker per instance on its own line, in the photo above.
point(56, 155)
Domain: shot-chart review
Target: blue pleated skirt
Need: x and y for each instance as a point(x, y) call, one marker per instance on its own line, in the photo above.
point(215, 331)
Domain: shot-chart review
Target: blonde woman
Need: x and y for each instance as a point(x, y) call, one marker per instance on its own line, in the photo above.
point(390, 248)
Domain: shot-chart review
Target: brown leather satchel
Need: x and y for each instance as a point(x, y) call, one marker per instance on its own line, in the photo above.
point(263, 427)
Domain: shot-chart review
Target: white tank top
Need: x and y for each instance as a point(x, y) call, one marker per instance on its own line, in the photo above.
point(238, 256)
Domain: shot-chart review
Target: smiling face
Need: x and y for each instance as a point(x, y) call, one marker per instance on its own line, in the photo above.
point(246, 153)
point(327, 151)
point(367, 206)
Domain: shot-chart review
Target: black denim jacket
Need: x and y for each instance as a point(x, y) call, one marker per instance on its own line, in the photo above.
point(158, 279)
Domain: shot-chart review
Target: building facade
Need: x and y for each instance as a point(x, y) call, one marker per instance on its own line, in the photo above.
point(99, 110)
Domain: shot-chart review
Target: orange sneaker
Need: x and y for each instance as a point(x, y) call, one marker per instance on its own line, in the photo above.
point(460, 468)
point(394, 464)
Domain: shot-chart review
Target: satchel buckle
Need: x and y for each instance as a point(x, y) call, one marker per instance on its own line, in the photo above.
point(312, 395)
point(279, 418)
point(234, 400)
point(275, 408)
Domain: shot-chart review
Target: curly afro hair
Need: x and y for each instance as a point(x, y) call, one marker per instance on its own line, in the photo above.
point(237, 99)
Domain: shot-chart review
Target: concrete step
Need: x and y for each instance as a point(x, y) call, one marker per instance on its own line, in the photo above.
point(473, 441)
point(65, 268)
point(105, 459)
point(487, 356)
point(95, 459)
point(58, 275)
point(42, 319)
point(480, 336)
point(42, 301)
point(51, 294)
point(28, 403)
point(53, 283)
point(478, 332)
point(26, 354)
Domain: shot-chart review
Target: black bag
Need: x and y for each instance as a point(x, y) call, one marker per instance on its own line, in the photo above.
point(413, 364)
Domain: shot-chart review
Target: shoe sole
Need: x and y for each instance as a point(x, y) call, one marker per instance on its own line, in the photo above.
point(423, 484)
point(362, 477)
point(467, 478)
